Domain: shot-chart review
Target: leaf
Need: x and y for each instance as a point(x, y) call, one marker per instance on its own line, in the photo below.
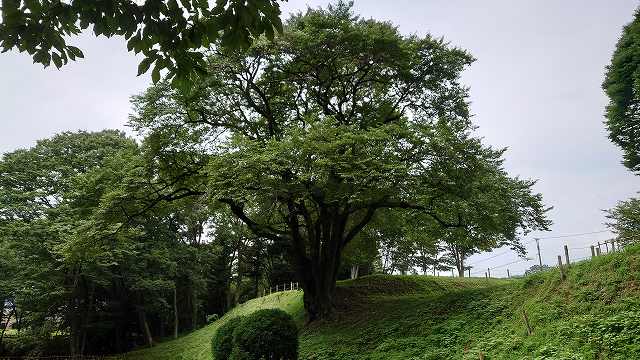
point(155, 75)
point(131, 43)
point(268, 31)
point(75, 51)
point(144, 65)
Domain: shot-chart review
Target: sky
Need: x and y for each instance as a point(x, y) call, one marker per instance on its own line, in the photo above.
point(535, 88)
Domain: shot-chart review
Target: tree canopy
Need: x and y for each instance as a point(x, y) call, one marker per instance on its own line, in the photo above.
point(310, 136)
point(94, 257)
point(335, 147)
point(622, 86)
point(170, 34)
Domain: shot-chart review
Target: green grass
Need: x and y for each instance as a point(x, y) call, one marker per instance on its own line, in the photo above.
point(594, 314)
point(197, 345)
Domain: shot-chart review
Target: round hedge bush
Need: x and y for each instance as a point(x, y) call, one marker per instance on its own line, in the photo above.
point(266, 334)
point(222, 341)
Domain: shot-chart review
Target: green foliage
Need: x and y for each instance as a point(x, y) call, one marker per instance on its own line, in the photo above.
point(266, 334)
point(222, 341)
point(307, 151)
point(536, 268)
point(197, 345)
point(624, 220)
point(612, 336)
point(71, 228)
point(593, 314)
point(168, 33)
point(622, 85)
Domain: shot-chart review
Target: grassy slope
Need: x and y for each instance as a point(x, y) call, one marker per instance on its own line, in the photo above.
point(197, 345)
point(594, 314)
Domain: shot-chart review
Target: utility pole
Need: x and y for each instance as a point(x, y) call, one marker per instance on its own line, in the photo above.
point(538, 246)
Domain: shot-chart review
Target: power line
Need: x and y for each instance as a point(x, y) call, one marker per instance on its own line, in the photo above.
point(580, 248)
point(575, 259)
point(571, 235)
point(513, 262)
point(491, 257)
point(541, 238)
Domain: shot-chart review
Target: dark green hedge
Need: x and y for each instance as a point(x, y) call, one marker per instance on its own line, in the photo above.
point(265, 334)
point(222, 341)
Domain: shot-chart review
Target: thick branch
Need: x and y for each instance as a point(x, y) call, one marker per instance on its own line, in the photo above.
point(258, 229)
point(368, 216)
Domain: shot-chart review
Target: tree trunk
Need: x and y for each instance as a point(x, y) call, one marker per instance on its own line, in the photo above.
point(87, 315)
point(318, 275)
point(459, 258)
point(144, 326)
point(194, 308)
point(318, 295)
point(18, 316)
point(4, 327)
point(175, 313)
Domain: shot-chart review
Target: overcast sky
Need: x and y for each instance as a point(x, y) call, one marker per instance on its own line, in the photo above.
point(535, 88)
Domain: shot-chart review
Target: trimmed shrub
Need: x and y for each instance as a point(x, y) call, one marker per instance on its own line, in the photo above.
point(222, 341)
point(266, 334)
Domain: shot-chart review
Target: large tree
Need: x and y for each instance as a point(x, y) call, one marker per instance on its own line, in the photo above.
point(312, 135)
point(169, 33)
point(622, 86)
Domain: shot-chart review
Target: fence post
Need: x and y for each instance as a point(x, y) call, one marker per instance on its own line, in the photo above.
point(469, 272)
point(606, 246)
point(598, 253)
point(508, 275)
point(593, 251)
point(489, 271)
point(566, 255)
point(613, 246)
point(562, 275)
point(599, 249)
point(526, 322)
point(485, 275)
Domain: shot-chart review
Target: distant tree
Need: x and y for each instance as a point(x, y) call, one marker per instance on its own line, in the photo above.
point(521, 210)
point(104, 260)
point(536, 269)
point(169, 33)
point(427, 256)
point(624, 221)
point(36, 186)
point(360, 255)
point(622, 86)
